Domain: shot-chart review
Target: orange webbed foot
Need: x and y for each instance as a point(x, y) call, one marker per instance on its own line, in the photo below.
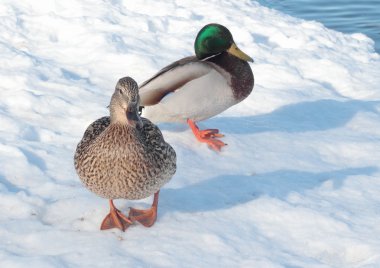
point(115, 219)
point(146, 217)
point(207, 136)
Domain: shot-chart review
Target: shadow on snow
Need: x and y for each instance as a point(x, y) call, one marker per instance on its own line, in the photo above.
point(293, 118)
point(230, 190)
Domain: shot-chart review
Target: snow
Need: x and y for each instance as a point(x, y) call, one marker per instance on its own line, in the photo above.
point(297, 186)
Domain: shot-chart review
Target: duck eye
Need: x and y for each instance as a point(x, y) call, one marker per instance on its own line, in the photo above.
point(120, 91)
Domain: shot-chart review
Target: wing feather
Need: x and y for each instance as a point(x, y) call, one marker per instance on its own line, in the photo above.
point(171, 78)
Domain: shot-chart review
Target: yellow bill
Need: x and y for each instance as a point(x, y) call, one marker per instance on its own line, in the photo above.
point(234, 50)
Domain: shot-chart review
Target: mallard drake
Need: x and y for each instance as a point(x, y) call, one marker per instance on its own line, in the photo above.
point(199, 87)
point(125, 156)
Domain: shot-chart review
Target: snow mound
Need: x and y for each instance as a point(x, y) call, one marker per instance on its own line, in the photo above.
point(298, 185)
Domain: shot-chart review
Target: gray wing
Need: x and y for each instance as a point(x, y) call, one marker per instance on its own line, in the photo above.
point(171, 78)
point(175, 64)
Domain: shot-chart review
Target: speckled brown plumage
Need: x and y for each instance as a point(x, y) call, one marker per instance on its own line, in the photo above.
point(117, 160)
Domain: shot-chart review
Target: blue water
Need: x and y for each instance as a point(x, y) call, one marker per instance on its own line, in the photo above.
point(348, 16)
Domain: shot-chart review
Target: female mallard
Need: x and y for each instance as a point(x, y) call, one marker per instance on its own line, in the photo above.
point(125, 156)
point(203, 86)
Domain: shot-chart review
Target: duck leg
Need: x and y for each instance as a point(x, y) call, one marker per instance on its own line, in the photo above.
point(146, 217)
point(208, 136)
point(115, 219)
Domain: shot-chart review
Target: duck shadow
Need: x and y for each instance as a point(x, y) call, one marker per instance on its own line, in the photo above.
point(227, 191)
point(293, 118)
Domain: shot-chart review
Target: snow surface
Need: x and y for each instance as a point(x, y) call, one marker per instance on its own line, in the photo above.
point(297, 186)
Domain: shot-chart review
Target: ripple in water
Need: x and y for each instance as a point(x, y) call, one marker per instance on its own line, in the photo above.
point(342, 15)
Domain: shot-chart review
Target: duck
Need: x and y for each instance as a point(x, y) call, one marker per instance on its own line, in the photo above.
point(124, 156)
point(199, 87)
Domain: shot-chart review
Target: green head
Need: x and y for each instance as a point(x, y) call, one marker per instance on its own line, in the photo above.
point(213, 39)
